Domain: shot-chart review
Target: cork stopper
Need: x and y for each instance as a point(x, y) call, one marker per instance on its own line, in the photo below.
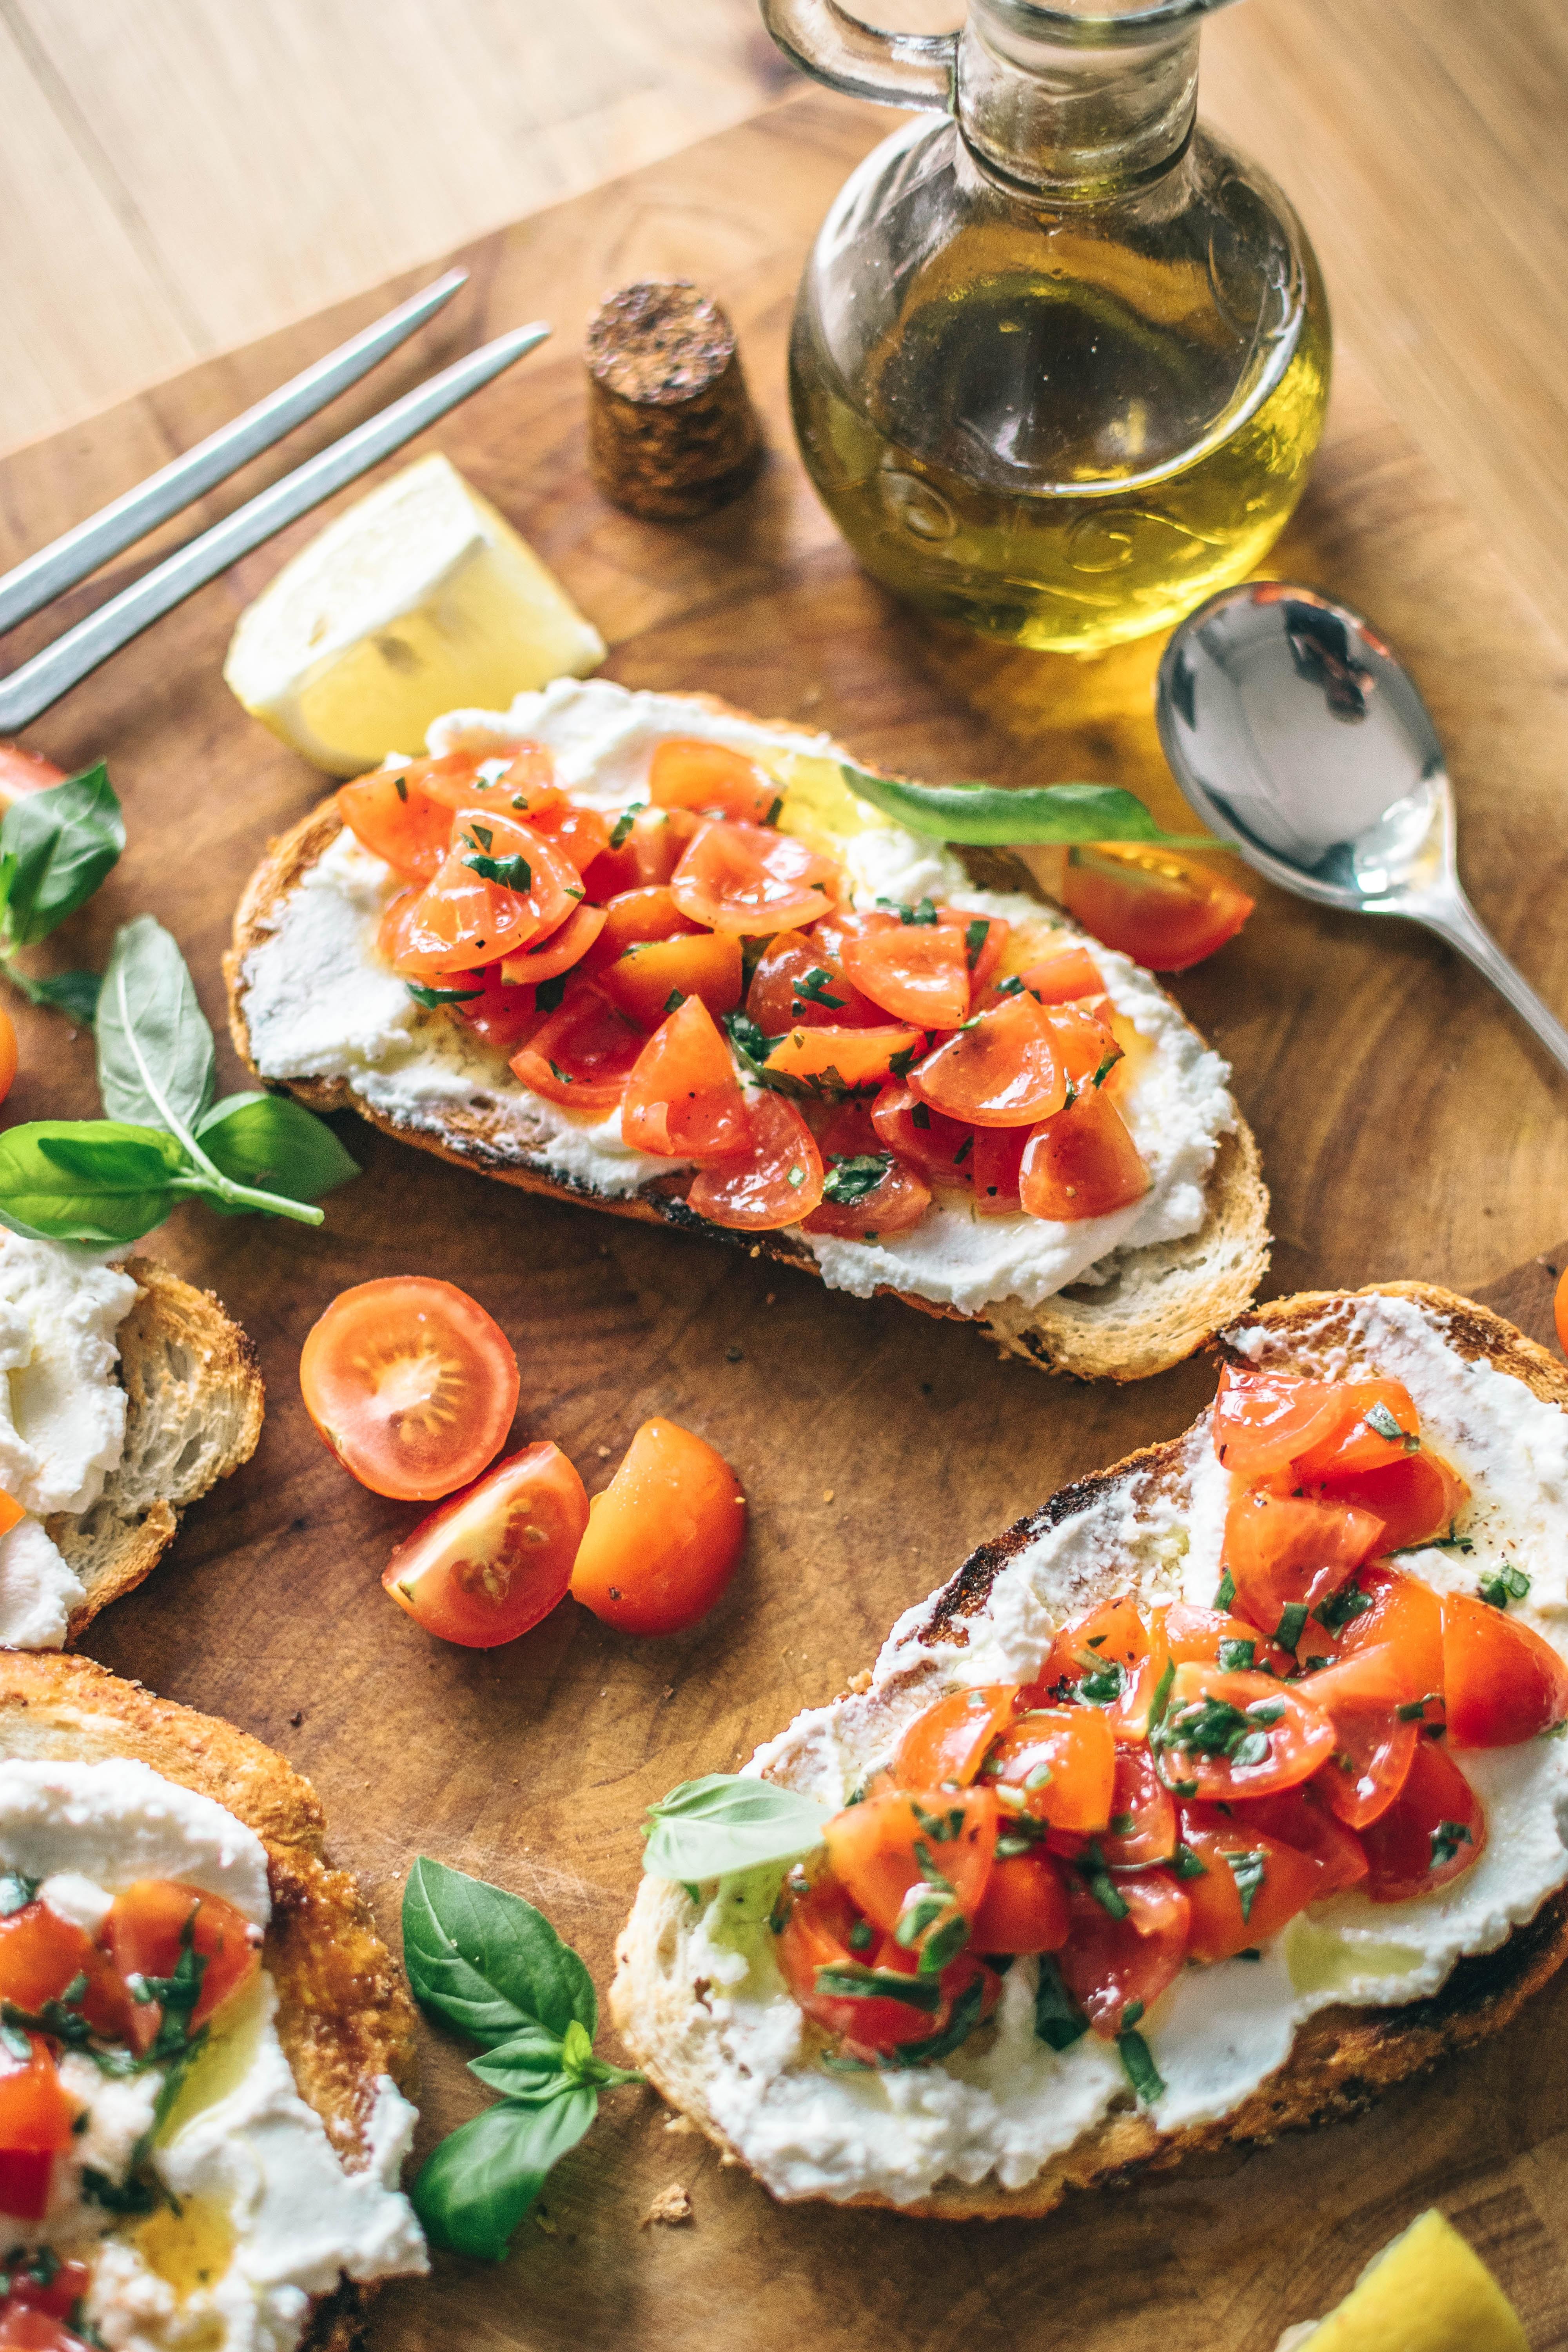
point(671, 430)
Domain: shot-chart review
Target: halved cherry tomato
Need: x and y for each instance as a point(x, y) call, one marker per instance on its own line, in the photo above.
point(882, 1848)
point(817, 1934)
point(151, 1921)
point(916, 971)
point(942, 1148)
point(649, 853)
point(498, 1557)
point(1001, 1070)
point(798, 985)
point(411, 1384)
point(1112, 1658)
point(1108, 1963)
point(889, 1203)
point(1263, 1420)
point(1252, 1885)
point(1062, 1761)
point(1023, 1908)
point(689, 774)
point(463, 917)
point(1061, 977)
point(1085, 1047)
point(1405, 1614)
point(1374, 1742)
point(405, 814)
point(565, 946)
point(1142, 1815)
point(1163, 910)
point(776, 1181)
point(1281, 1551)
point(683, 1099)
point(665, 1536)
point(22, 773)
point(1081, 1163)
point(743, 877)
point(705, 965)
point(634, 917)
point(1502, 1683)
point(582, 1054)
point(1432, 1833)
point(1229, 1735)
point(945, 1747)
point(1416, 1497)
point(1362, 1444)
point(1299, 1817)
point(496, 1010)
point(845, 1057)
point(7, 1052)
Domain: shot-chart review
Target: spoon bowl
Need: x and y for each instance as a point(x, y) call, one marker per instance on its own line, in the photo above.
point(1295, 732)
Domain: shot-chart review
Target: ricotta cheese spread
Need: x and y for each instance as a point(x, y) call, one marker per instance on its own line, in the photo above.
point(1004, 2104)
point(62, 1419)
point(318, 1003)
point(258, 2212)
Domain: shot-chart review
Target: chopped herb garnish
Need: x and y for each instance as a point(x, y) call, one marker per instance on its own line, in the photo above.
point(851, 1177)
point(975, 938)
point(964, 1149)
point(1013, 987)
point(1106, 1067)
point(431, 997)
point(1447, 1840)
point(1101, 1886)
point(625, 823)
point(1103, 1685)
point(675, 1000)
point(814, 989)
point(1058, 2020)
point(15, 1891)
point(1292, 1624)
point(1413, 1709)
point(1450, 1542)
point(796, 1176)
point(1186, 1864)
point(775, 810)
point(1040, 1777)
point(1249, 1871)
point(548, 994)
point(850, 1979)
point(1236, 1657)
point(1379, 1419)
point(400, 788)
point(1227, 1594)
point(558, 1072)
point(1508, 1583)
point(860, 1936)
point(1138, 2066)
point(512, 873)
point(1341, 1607)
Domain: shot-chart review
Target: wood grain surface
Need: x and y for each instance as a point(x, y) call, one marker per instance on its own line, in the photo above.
point(1408, 1127)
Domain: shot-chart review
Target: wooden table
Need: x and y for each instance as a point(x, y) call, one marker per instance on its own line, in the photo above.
point(1408, 1127)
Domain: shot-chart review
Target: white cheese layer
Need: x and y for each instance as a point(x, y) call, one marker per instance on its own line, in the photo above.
point(1004, 2104)
point(319, 1004)
point(262, 2213)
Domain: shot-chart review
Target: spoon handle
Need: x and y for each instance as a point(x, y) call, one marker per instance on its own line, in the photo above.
point(1456, 920)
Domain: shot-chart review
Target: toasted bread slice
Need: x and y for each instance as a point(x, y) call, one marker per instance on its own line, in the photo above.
point(1341, 2057)
point(344, 2016)
point(196, 1403)
point(1160, 1304)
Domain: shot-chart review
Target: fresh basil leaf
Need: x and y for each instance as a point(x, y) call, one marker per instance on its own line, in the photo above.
point(74, 993)
point(485, 2177)
point(86, 1180)
point(55, 847)
point(729, 1821)
point(273, 1143)
point(488, 1961)
point(528, 2067)
point(155, 1061)
point(982, 813)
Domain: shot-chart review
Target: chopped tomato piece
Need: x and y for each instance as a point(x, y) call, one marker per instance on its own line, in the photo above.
point(1418, 1496)
point(500, 885)
point(945, 1747)
point(798, 985)
point(942, 1148)
point(1059, 978)
point(1376, 1675)
point(898, 1199)
point(1062, 1760)
point(1228, 1736)
point(39, 1955)
point(1111, 1659)
point(565, 946)
point(405, 814)
point(1282, 1551)
point(1143, 1816)
point(689, 774)
point(683, 1099)
point(1085, 1047)
point(1081, 1163)
point(1262, 1420)
point(633, 917)
point(497, 1010)
point(1108, 1963)
point(1163, 910)
point(22, 773)
point(650, 980)
point(1000, 1070)
point(1501, 1681)
point(36, 2113)
point(891, 1845)
point(844, 1058)
point(1023, 1908)
point(824, 1931)
point(582, 1054)
point(411, 1384)
point(1252, 1884)
point(67, 2285)
point(743, 877)
point(1384, 1427)
point(648, 853)
point(1432, 1833)
point(1402, 1614)
point(148, 1925)
point(579, 833)
point(996, 1164)
point(498, 1557)
point(1374, 1742)
point(1301, 1820)
point(776, 1181)
point(665, 1536)
point(1200, 1634)
point(916, 971)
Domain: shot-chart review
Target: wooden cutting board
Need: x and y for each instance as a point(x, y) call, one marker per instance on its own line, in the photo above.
point(1408, 1127)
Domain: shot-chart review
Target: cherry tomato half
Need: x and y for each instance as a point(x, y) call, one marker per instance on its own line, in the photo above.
point(22, 773)
point(1023, 1908)
point(665, 1536)
point(1416, 1496)
point(1281, 1551)
point(1501, 1681)
point(1263, 1421)
point(1252, 1883)
point(744, 878)
point(653, 975)
point(915, 972)
point(1002, 1071)
point(582, 1054)
point(777, 1180)
point(797, 984)
point(1062, 1760)
point(498, 1557)
point(1081, 1163)
point(683, 1099)
point(1432, 1833)
point(1229, 1735)
point(689, 774)
point(1108, 1963)
point(411, 1384)
point(880, 1849)
point(1164, 910)
point(945, 1747)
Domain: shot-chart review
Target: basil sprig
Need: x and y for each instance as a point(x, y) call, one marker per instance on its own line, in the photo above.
point(55, 847)
point(108, 1180)
point(492, 1966)
point(728, 1822)
point(990, 814)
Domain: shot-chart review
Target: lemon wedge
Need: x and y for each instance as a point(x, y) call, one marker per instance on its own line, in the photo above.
point(1426, 2292)
point(418, 599)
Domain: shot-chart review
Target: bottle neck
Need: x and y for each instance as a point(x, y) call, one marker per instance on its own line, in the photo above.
point(1075, 124)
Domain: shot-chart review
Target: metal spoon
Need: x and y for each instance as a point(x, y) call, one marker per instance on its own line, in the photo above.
point(1293, 731)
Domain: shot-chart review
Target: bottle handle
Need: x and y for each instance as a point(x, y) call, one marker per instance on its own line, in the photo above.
point(911, 69)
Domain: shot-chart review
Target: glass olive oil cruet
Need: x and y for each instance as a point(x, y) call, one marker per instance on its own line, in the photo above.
point(1060, 357)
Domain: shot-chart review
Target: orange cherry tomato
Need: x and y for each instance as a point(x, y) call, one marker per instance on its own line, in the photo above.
point(1000, 1070)
point(683, 1099)
point(1023, 1908)
point(491, 1005)
point(776, 1181)
point(1163, 910)
point(823, 1929)
point(744, 878)
point(1112, 1659)
point(557, 952)
point(496, 1558)
point(22, 773)
point(945, 1747)
point(1197, 1634)
point(1062, 1760)
point(1252, 1885)
point(633, 917)
point(1081, 1163)
point(705, 965)
point(410, 1383)
point(1300, 1818)
point(1281, 1551)
point(1432, 1833)
point(881, 1849)
point(39, 1954)
point(1108, 1964)
point(582, 835)
point(689, 774)
point(582, 1054)
point(405, 814)
point(1142, 1815)
point(916, 971)
point(1361, 1694)
point(462, 918)
point(1360, 1443)
point(665, 1536)
point(1263, 1421)
point(1061, 977)
point(1085, 1047)
point(890, 1203)
point(845, 1057)
point(1404, 1615)
point(648, 853)
point(1277, 1739)
point(1501, 1681)
point(7, 1052)
point(942, 1148)
point(798, 985)
point(153, 1921)
point(1416, 1496)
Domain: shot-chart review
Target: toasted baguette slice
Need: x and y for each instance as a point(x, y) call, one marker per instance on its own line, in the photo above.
point(344, 2017)
point(1341, 2057)
point(1161, 1303)
point(196, 1403)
